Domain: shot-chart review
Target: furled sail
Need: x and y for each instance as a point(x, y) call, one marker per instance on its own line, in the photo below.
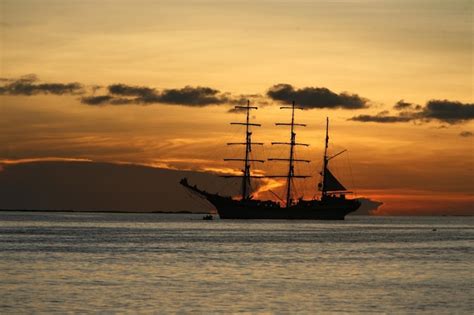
point(331, 183)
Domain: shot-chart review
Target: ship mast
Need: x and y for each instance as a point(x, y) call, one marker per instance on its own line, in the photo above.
point(325, 160)
point(327, 177)
point(246, 185)
point(291, 160)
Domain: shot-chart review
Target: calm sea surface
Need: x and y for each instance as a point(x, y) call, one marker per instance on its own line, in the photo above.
point(58, 262)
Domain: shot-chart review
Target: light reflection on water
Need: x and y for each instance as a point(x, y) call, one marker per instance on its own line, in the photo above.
point(58, 262)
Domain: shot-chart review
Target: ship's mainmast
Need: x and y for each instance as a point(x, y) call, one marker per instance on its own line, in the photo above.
point(291, 160)
point(246, 185)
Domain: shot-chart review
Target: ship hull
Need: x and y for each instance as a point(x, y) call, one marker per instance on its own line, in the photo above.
point(331, 209)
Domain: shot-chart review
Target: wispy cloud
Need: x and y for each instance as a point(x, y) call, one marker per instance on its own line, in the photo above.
point(30, 85)
point(97, 100)
point(382, 117)
point(402, 105)
point(42, 159)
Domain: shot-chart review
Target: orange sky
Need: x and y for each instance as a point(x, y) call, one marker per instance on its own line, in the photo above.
point(383, 51)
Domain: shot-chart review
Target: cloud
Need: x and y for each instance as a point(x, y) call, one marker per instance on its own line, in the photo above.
point(102, 187)
point(452, 112)
point(402, 105)
point(28, 85)
point(381, 117)
point(96, 100)
point(314, 97)
point(123, 94)
point(466, 134)
point(256, 100)
point(105, 99)
point(31, 77)
point(198, 96)
point(368, 206)
point(120, 94)
point(128, 90)
point(444, 111)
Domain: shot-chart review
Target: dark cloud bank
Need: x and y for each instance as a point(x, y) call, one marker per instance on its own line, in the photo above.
point(445, 111)
point(451, 112)
point(118, 94)
point(91, 186)
point(200, 96)
point(308, 97)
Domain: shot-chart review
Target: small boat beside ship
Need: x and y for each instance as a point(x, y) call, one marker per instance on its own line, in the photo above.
point(332, 204)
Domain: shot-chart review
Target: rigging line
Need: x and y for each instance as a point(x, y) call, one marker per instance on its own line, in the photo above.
point(230, 151)
point(198, 199)
point(352, 177)
point(317, 178)
point(263, 168)
point(274, 194)
point(308, 169)
point(230, 183)
point(296, 190)
point(232, 137)
point(300, 188)
point(298, 171)
point(335, 166)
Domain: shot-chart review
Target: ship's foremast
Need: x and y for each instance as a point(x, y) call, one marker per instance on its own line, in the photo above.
point(291, 160)
point(246, 174)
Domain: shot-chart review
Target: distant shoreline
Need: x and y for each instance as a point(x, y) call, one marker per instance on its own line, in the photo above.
point(189, 212)
point(103, 211)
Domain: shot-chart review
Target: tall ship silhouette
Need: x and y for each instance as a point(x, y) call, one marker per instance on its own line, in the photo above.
point(331, 205)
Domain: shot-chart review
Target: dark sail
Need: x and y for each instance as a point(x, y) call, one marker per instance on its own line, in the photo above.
point(331, 183)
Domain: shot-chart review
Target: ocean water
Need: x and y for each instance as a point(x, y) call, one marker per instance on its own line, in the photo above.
point(163, 263)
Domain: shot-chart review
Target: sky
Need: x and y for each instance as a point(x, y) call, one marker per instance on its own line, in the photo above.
point(154, 82)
